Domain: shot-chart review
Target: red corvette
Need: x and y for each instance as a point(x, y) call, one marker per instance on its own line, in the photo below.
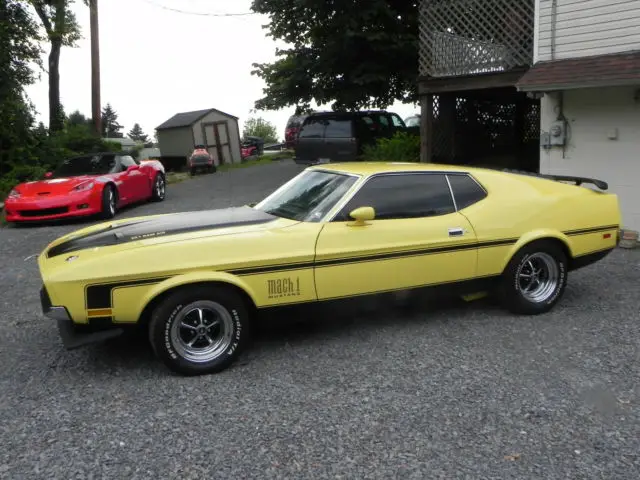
point(93, 184)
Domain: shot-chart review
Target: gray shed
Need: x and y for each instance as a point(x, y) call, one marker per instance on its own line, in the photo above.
point(217, 131)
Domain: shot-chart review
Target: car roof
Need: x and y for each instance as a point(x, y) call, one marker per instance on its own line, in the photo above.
point(372, 168)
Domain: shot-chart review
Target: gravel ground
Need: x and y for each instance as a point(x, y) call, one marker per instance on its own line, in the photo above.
point(455, 392)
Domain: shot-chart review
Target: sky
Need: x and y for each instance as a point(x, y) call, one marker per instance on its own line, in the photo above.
point(156, 62)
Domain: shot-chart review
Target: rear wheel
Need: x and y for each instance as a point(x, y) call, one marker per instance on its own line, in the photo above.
point(535, 279)
point(199, 330)
point(109, 202)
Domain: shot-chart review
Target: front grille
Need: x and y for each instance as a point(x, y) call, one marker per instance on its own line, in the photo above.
point(45, 301)
point(43, 212)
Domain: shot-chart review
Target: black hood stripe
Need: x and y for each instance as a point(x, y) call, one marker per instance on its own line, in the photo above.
point(172, 224)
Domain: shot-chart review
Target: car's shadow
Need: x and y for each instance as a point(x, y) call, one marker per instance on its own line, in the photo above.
point(276, 328)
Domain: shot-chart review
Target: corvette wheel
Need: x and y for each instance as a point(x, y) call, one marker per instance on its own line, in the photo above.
point(200, 330)
point(535, 279)
point(159, 188)
point(109, 202)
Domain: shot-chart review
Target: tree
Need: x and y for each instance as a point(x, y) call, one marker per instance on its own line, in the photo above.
point(18, 49)
point(137, 134)
point(77, 118)
point(356, 54)
point(62, 29)
point(258, 127)
point(110, 126)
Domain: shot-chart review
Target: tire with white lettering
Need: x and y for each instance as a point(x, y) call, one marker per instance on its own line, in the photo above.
point(535, 279)
point(199, 330)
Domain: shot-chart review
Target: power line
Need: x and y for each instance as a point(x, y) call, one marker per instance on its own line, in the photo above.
point(200, 14)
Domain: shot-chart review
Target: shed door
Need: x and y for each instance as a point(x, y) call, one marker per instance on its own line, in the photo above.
point(216, 137)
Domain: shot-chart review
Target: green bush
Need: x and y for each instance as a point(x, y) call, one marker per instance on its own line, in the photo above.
point(402, 147)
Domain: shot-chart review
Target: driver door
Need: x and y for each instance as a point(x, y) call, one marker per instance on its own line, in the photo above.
point(417, 239)
point(134, 183)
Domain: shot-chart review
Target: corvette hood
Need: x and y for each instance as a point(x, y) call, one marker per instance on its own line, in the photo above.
point(52, 186)
point(162, 227)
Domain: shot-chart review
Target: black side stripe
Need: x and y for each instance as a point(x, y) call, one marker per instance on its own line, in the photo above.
point(100, 295)
point(584, 231)
point(370, 258)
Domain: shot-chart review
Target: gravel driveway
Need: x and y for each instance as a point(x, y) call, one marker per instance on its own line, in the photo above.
point(457, 392)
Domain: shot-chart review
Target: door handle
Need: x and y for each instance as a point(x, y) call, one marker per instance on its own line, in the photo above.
point(456, 232)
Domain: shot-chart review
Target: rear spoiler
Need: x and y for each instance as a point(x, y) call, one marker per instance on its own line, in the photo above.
point(602, 185)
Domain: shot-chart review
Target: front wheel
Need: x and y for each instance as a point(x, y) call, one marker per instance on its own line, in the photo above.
point(109, 202)
point(199, 330)
point(159, 188)
point(535, 279)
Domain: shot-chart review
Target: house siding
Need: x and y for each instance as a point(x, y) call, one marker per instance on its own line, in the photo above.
point(586, 27)
point(175, 142)
point(232, 152)
point(594, 115)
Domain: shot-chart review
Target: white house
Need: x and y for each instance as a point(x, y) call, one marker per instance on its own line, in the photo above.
point(587, 74)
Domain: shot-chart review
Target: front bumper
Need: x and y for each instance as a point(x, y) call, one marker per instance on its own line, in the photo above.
point(58, 207)
point(74, 336)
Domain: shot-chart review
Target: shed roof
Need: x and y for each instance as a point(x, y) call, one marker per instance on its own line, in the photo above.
point(186, 119)
point(592, 71)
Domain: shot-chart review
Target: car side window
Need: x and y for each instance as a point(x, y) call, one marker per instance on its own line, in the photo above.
point(108, 163)
point(397, 121)
point(403, 196)
point(338, 128)
point(313, 128)
point(126, 161)
point(466, 190)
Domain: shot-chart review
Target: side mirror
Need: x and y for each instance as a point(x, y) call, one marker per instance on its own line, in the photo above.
point(362, 215)
point(48, 175)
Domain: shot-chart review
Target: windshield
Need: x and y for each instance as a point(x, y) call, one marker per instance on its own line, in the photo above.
point(307, 197)
point(89, 165)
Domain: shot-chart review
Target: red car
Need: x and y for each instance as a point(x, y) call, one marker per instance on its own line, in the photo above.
point(93, 184)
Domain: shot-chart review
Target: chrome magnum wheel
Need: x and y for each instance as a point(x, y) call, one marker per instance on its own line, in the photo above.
point(199, 330)
point(535, 278)
point(538, 277)
point(202, 331)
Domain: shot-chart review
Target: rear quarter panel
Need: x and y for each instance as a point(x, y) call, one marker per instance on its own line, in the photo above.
point(520, 209)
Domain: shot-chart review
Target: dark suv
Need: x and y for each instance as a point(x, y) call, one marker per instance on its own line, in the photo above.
point(341, 137)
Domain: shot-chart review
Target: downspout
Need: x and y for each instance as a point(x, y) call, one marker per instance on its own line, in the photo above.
point(560, 105)
point(554, 19)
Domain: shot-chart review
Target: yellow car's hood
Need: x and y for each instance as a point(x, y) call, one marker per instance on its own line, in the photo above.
point(166, 243)
point(137, 232)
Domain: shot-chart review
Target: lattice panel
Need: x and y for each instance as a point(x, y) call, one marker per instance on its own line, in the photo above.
point(464, 37)
point(486, 129)
point(532, 123)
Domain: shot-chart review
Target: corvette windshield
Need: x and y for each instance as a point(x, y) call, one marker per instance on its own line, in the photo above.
point(308, 196)
point(87, 165)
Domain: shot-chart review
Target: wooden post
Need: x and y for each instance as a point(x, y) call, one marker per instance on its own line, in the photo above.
point(95, 67)
point(426, 128)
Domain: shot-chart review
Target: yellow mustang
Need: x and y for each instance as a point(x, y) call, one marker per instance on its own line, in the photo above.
point(195, 279)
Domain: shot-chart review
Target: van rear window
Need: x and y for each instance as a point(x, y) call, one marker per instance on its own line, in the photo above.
point(338, 128)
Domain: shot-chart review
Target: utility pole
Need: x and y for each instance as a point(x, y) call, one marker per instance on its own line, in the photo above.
point(95, 67)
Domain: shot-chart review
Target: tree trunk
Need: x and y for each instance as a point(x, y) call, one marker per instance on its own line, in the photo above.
point(56, 122)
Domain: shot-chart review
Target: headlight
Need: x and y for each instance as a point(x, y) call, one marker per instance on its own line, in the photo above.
point(83, 187)
point(14, 193)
